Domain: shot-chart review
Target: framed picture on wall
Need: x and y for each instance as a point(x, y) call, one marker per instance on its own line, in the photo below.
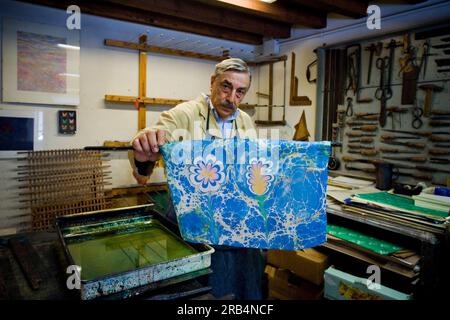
point(20, 131)
point(40, 63)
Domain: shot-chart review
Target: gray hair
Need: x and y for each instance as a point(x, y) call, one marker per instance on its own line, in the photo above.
point(233, 64)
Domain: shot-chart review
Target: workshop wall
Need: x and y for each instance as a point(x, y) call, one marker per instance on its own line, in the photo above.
point(433, 12)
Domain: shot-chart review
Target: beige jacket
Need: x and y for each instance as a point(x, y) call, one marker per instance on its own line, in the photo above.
point(187, 121)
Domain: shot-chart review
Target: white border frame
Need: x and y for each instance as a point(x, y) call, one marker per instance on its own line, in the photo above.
point(10, 91)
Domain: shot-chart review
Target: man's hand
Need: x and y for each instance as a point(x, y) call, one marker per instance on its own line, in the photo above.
point(146, 145)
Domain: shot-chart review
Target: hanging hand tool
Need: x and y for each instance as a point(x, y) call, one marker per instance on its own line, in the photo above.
point(368, 170)
point(366, 128)
point(352, 159)
point(391, 46)
point(351, 74)
point(349, 110)
point(416, 133)
point(341, 125)
point(440, 113)
point(437, 123)
point(417, 116)
point(308, 72)
point(333, 162)
point(437, 152)
point(413, 159)
point(358, 146)
point(383, 92)
point(354, 73)
point(443, 70)
point(425, 54)
point(446, 146)
point(393, 137)
point(391, 111)
point(357, 134)
point(410, 71)
point(362, 140)
point(390, 150)
point(364, 152)
point(373, 49)
point(440, 160)
point(421, 168)
point(429, 89)
point(416, 145)
point(367, 116)
point(360, 123)
point(438, 139)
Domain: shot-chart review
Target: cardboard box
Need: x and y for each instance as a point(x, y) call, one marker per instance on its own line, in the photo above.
point(285, 285)
point(340, 285)
point(308, 264)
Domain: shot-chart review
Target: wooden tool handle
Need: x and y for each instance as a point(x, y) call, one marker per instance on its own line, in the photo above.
point(418, 159)
point(438, 138)
point(416, 145)
point(389, 150)
point(440, 112)
point(348, 159)
point(437, 123)
point(438, 151)
point(368, 128)
point(370, 152)
point(366, 139)
point(357, 146)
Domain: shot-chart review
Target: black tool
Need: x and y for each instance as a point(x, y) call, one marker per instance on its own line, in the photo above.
point(349, 110)
point(443, 70)
point(417, 116)
point(308, 72)
point(383, 92)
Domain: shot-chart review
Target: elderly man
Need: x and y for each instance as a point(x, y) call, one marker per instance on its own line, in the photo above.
point(235, 270)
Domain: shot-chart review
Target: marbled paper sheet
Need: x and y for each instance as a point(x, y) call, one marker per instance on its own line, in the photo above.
point(249, 193)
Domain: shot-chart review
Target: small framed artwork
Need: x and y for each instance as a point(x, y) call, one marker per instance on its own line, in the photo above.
point(67, 121)
point(40, 63)
point(20, 131)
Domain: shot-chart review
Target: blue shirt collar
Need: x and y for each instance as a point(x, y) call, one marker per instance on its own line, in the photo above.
point(216, 115)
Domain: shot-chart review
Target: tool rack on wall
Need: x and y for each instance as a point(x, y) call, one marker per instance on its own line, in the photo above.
point(388, 99)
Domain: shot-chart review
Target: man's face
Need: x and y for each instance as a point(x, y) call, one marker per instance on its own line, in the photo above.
point(228, 90)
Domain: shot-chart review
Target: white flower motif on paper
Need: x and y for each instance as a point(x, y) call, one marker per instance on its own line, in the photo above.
point(207, 174)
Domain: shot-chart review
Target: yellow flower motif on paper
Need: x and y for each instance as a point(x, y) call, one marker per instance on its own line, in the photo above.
point(259, 175)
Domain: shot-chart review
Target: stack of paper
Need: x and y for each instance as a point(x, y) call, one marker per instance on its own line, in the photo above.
point(432, 201)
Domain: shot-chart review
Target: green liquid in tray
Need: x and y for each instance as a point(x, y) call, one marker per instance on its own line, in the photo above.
point(113, 253)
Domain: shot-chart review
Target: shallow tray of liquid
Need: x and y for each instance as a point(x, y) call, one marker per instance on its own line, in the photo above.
point(125, 249)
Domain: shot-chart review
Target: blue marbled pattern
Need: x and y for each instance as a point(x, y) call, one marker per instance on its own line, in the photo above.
point(249, 193)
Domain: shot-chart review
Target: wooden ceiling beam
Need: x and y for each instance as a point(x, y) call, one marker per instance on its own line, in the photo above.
point(120, 12)
point(274, 11)
point(350, 8)
point(195, 11)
